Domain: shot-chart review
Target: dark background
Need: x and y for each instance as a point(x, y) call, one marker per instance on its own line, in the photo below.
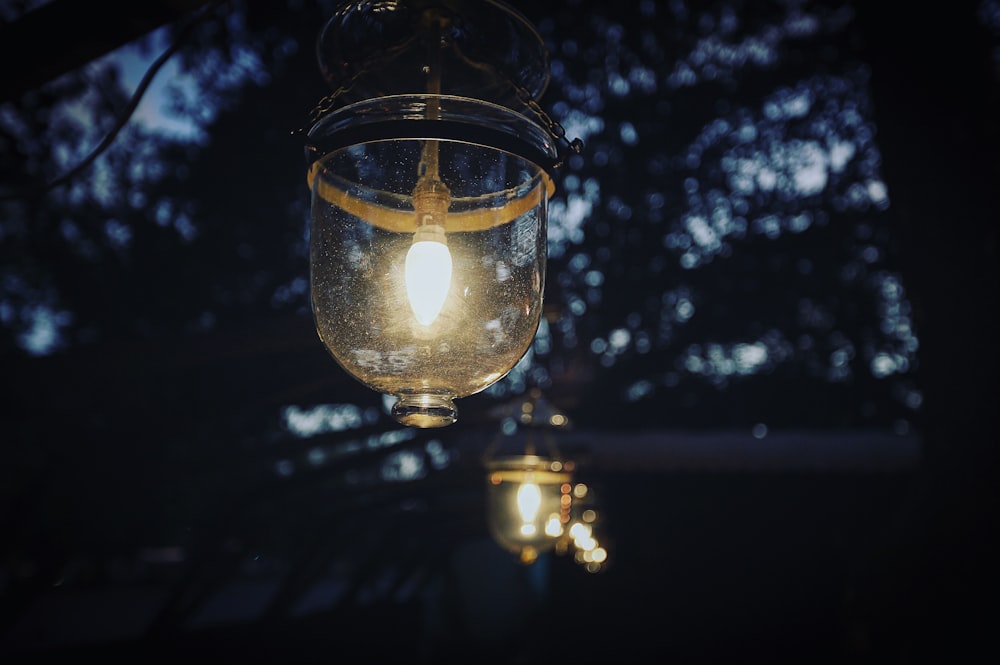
point(156, 505)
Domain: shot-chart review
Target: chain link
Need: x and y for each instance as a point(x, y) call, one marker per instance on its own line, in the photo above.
point(326, 104)
point(553, 126)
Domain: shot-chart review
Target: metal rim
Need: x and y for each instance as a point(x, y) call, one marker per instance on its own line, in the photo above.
point(460, 119)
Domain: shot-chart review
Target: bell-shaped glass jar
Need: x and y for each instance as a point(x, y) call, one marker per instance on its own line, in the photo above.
point(428, 249)
point(527, 504)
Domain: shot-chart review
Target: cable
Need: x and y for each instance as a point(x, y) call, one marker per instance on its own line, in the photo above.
point(126, 114)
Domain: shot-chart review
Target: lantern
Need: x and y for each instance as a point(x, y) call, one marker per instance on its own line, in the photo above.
point(528, 491)
point(527, 504)
point(430, 167)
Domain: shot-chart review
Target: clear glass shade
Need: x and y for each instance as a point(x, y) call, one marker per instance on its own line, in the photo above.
point(427, 252)
point(528, 504)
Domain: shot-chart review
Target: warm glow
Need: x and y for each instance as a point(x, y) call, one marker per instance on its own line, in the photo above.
point(529, 500)
point(553, 527)
point(428, 274)
point(579, 531)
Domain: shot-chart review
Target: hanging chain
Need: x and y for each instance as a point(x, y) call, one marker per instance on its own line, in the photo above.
point(553, 126)
point(326, 104)
point(556, 130)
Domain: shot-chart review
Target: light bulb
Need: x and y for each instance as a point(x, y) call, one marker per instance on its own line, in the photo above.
point(529, 500)
point(428, 273)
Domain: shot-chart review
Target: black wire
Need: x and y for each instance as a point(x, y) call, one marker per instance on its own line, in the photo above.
point(126, 114)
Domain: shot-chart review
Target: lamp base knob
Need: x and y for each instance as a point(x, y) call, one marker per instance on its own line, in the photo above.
point(425, 410)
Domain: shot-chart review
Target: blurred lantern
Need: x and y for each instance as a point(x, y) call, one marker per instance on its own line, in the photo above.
point(528, 499)
point(430, 165)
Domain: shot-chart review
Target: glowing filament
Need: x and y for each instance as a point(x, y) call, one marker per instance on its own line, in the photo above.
point(428, 273)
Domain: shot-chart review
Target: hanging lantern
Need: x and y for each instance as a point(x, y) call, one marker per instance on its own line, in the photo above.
point(430, 166)
point(528, 491)
point(527, 504)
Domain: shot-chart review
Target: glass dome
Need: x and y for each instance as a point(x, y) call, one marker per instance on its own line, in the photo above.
point(430, 167)
point(428, 249)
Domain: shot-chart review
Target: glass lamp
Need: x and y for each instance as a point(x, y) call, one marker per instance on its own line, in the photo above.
point(528, 492)
point(430, 167)
point(527, 504)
